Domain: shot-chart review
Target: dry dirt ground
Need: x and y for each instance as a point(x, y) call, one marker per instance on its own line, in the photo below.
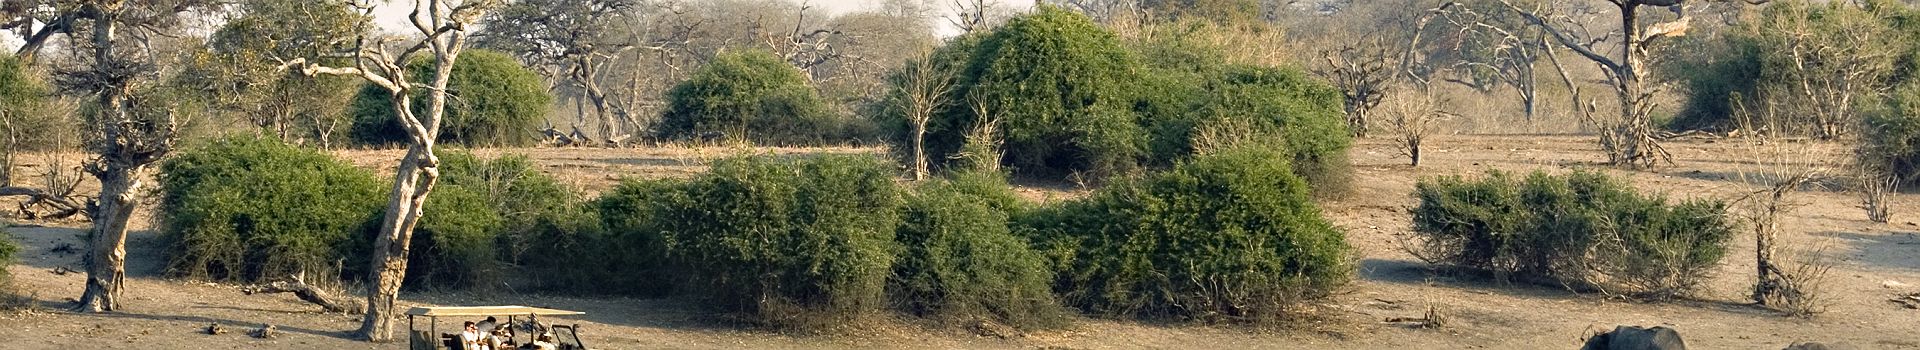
point(1873, 262)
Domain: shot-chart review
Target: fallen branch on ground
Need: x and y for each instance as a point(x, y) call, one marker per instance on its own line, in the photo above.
point(310, 294)
point(63, 207)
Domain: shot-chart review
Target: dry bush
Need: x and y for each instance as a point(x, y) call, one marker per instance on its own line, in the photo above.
point(1412, 116)
point(1773, 173)
point(1876, 189)
point(1801, 287)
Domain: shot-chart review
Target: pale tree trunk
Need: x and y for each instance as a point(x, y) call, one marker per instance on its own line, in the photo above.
point(414, 178)
point(106, 265)
point(919, 149)
point(123, 152)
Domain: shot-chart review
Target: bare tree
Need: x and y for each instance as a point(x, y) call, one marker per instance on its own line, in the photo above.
point(444, 25)
point(922, 90)
point(1830, 56)
point(1500, 47)
point(1363, 72)
point(129, 131)
point(581, 37)
point(1412, 119)
point(1627, 138)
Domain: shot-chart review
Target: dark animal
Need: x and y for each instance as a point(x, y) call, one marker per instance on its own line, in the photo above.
point(1636, 338)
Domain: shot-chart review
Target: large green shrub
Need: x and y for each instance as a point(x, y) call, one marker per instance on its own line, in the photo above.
point(486, 216)
point(492, 101)
point(23, 102)
point(784, 242)
point(751, 95)
point(246, 209)
point(1583, 230)
point(961, 262)
point(1891, 141)
point(454, 244)
point(7, 250)
point(1231, 235)
point(1057, 85)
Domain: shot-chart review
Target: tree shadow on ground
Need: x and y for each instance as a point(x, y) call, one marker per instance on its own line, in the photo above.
point(1890, 249)
point(1419, 273)
point(231, 324)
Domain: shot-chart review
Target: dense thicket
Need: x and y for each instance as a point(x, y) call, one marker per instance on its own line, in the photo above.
point(961, 262)
point(494, 101)
point(752, 95)
point(249, 208)
point(1227, 236)
point(1892, 135)
point(7, 250)
point(1795, 67)
point(1583, 230)
point(789, 243)
point(1117, 106)
point(1056, 85)
point(23, 96)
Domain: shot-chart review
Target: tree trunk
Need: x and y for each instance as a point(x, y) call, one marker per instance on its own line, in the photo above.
point(919, 149)
point(106, 265)
point(416, 176)
point(106, 261)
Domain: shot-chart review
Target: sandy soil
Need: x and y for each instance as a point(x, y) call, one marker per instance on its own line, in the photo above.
point(1874, 262)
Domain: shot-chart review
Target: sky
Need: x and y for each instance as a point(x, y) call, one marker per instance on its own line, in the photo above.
point(392, 15)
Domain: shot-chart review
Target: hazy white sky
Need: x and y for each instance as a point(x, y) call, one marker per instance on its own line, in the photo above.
point(393, 14)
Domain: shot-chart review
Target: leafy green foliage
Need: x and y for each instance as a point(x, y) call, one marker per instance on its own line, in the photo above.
point(793, 243)
point(753, 95)
point(1070, 98)
point(1230, 235)
point(246, 209)
point(1798, 67)
point(1056, 84)
point(1583, 230)
point(961, 262)
point(238, 76)
point(7, 250)
point(454, 242)
point(23, 101)
point(492, 101)
point(1892, 137)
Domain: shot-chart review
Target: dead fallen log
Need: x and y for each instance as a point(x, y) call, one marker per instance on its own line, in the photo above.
point(62, 207)
point(310, 294)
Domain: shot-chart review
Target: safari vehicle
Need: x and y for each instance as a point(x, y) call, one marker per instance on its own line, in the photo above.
point(520, 333)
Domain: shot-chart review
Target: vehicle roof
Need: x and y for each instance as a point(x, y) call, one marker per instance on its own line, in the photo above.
point(507, 310)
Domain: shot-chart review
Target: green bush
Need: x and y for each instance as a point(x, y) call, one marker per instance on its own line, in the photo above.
point(1583, 230)
point(486, 216)
point(1111, 109)
point(7, 250)
point(793, 243)
point(751, 95)
point(1227, 236)
point(1892, 135)
point(1057, 84)
point(961, 262)
point(493, 101)
point(245, 209)
point(1264, 104)
point(454, 244)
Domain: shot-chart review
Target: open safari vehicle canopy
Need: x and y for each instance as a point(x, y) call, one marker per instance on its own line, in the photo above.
point(469, 311)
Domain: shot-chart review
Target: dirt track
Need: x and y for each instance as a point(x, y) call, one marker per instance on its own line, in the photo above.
point(167, 314)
